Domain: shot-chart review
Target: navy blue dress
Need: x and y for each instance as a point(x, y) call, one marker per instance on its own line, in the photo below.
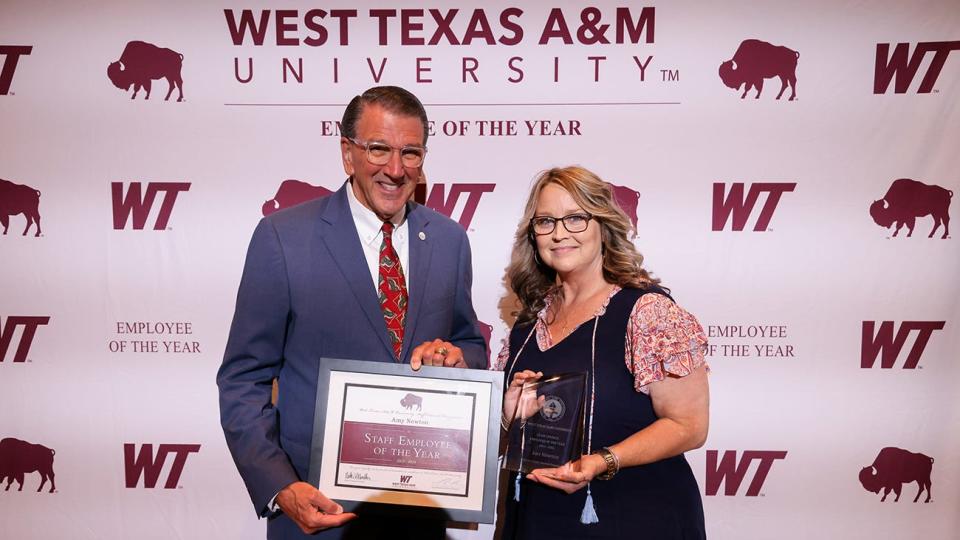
point(655, 501)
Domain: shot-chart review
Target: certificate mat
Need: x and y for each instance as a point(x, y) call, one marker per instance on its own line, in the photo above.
point(421, 444)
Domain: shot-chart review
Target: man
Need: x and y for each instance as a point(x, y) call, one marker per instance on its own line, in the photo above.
point(363, 273)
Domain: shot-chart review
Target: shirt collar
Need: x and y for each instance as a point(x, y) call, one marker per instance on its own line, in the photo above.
point(367, 222)
point(551, 298)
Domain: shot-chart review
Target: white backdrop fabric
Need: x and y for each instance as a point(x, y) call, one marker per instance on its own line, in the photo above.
point(831, 339)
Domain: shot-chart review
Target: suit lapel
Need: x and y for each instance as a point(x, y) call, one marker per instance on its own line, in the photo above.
point(343, 242)
point(420, 250)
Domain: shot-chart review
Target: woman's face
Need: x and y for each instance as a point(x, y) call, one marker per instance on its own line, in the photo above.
point(567, 253)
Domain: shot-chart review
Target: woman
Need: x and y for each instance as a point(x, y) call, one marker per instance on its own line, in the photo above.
point(587, 304)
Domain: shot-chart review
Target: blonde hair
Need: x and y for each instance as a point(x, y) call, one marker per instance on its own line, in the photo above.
point(532, 281)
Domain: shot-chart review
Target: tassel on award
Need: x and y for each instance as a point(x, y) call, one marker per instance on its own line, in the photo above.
point(589, 514)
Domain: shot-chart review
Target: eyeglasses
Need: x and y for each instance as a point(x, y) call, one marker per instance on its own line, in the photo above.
point(379, 153)
point(573, 223)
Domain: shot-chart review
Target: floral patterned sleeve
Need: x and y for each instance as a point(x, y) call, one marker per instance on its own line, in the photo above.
point(501, 362)
point(662, 338)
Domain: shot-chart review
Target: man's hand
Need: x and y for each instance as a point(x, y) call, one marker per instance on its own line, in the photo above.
point(310, 509)
point(437, 353)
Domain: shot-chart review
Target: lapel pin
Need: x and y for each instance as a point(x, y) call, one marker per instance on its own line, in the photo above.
point(422, 235)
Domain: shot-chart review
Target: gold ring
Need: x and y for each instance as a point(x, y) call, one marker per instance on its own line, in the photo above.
point(441, 351)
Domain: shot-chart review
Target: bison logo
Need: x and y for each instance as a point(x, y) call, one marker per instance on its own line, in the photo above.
point(410, 401)
point(895, 467)
point(627, 199)
point(17, 458)
point(143, 62)
point(757, 60)
point(292, 193)
point(17, 199)
point(906, 200)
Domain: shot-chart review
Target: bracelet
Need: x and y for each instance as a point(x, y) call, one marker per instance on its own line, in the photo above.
point(504, 423)
point(612, 461)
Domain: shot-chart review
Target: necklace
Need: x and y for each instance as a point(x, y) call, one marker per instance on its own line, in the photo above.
point(575, 316)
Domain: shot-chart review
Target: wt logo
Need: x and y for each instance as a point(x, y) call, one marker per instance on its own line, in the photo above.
point(405, 478)
point(734, 204)
point(446, 205)
point(882, 342)
point(30, 325)
point(734, 471)
point(138, 205)
point(902, 65)
point(149, 467)
point(12, 54)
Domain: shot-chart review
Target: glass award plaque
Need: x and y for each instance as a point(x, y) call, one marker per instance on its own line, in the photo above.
point(547, 427)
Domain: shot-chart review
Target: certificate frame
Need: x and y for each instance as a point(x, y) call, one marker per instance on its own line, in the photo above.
point(438, 442)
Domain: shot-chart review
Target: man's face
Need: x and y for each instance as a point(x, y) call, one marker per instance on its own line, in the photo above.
point(384, 189)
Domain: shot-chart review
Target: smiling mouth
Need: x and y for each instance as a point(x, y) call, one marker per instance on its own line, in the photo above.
point(389, 186)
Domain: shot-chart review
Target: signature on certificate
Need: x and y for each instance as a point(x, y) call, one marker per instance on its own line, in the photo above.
point(448, 482)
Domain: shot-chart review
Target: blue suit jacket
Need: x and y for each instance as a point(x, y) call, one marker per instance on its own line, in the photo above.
point(306, 293)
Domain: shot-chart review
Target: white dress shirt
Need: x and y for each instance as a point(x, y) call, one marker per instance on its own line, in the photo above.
point(368, 228)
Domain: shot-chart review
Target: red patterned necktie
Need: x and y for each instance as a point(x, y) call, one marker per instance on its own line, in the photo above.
point(392, 288)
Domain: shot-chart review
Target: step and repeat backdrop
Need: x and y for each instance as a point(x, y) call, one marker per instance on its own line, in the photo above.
point(791, 168)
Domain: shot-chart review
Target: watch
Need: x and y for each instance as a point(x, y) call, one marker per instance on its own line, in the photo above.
point(612, 461)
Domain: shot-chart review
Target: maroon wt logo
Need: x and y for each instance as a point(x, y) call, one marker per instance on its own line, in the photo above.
point(906, 200)
point(734, 205)
point(138, 204)
point(11, 54)
point(883, 343)
point(732, 472)
point(19, 199)
point(142, 63)
point(9, 327)
point(19, 458)
point(144, 464)
point(446, 206)
point(293, 192)
point(894, 467)
point(757, 60)
point(903, 66)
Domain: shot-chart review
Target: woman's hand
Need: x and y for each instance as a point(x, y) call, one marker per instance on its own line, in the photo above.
point(515, 395)
point(572, 476)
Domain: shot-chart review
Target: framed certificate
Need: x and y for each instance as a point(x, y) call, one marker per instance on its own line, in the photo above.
point(421, 444)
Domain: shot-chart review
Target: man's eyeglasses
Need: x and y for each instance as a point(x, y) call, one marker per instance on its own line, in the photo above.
point(379, 153)
point(574, 223)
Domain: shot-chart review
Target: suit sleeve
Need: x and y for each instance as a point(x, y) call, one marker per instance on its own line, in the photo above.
point(466, 329)
point(251, 361)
